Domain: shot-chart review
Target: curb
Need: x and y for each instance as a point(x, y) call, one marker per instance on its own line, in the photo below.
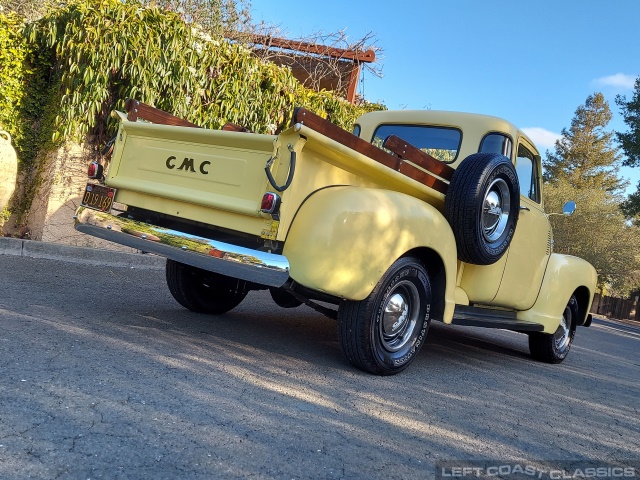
point(85, 255)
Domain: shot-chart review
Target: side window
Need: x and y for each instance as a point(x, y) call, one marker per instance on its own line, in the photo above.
point(528, 175)
point(496, 143)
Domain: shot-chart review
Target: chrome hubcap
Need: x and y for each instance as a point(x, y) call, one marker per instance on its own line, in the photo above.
point(400, 316)
point(562, 337)
point(495, 210)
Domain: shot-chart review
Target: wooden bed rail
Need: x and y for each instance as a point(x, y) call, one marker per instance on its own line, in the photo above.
point(405, 150)
point(136, 109)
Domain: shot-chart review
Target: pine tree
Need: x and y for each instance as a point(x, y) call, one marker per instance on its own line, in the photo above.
point(585, 156)
point(630, 144)
point(630, 141)
point(597, 232)
point(583, 168)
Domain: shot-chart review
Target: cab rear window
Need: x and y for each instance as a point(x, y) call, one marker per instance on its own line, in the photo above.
point(440, 142)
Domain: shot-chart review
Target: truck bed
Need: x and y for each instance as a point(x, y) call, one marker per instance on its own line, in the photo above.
point(218, 177)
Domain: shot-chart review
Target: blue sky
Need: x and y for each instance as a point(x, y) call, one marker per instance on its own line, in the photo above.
point(530, 62)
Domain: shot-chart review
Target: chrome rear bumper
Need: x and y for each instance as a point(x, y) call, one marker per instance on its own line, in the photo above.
point(224, 258)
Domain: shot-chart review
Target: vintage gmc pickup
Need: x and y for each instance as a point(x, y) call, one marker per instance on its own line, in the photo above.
point(416, 216)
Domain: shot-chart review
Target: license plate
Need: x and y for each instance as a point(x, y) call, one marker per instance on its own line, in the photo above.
point(98, 197)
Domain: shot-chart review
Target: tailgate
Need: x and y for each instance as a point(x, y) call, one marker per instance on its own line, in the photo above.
point(210, 168)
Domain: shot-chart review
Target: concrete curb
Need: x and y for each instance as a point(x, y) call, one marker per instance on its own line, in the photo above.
point(84, 255)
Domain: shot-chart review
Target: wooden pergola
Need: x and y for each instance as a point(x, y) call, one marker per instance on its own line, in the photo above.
point(308, 55)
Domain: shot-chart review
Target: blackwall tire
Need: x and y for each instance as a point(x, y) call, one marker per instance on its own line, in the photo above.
point(554, 347)
point(201, 291)
point(383, 333)
point(482, 206)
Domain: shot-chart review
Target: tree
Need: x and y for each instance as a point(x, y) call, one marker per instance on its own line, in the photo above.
point(584, 168)
point(631, 206)
point(597, 232)
point(215, 17)
point(630, 143)
point(28, 9)
point(585, 155)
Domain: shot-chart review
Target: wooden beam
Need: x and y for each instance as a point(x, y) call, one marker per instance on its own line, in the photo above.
point(423, 177)
point(334, 132)
point(136, 109)
point(405, 150)
point(306, 47)
point(354, 77)
point(233, 127)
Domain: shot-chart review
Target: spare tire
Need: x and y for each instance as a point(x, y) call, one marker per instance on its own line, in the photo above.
point(482, 206)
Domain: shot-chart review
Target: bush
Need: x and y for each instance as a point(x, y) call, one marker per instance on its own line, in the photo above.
point(108, 51)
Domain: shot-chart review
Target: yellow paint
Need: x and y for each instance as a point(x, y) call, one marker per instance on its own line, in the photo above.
point(563, 276)
point(481, 282)
point(461, 297)
point(345, 238)
point(270, 231)
point(526, 259)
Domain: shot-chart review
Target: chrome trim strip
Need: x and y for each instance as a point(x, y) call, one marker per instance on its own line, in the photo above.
point(224, 258)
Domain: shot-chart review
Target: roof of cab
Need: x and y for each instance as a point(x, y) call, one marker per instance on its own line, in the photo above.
point(469, 123)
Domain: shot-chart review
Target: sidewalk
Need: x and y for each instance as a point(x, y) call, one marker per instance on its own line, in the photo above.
point(84, 255)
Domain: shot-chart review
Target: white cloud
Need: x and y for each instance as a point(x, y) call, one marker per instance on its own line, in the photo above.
point(619, 80)
point(542, 138)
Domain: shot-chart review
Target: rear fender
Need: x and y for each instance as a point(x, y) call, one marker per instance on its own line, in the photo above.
point(343, 239)
point(564, 276)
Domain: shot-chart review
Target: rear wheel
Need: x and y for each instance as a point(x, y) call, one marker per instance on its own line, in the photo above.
point(202, 291)
point(383, 333)
point(554, 347)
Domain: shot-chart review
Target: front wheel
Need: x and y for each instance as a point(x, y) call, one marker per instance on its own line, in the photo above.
point(554, 347)
point(202, 291)
point(383, 333)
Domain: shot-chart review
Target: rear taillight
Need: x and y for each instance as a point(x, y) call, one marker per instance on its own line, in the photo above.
point(95, 170)
point(270, 203)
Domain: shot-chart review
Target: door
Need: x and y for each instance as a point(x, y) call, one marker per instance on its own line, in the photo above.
point(531, 245)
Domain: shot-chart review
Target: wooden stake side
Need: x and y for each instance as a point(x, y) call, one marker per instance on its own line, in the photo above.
point(136, 109)
point(334, 132)
point(234, 127)
point(423, 177)
point(405, 150)
point(325, 127)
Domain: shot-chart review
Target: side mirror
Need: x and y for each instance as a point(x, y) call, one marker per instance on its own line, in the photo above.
point(569, 208)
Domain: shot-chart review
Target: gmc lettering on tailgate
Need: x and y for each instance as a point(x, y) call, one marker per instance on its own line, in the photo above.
point(188, 164)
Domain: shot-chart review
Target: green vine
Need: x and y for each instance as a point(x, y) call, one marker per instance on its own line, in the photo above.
point(26, 96)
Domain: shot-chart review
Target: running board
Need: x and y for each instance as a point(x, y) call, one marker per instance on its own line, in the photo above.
point(489, 318)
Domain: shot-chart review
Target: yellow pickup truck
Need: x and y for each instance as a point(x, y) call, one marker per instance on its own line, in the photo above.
point(415, 216)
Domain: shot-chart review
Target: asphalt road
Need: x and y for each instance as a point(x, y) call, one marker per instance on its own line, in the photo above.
point(104, 375)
